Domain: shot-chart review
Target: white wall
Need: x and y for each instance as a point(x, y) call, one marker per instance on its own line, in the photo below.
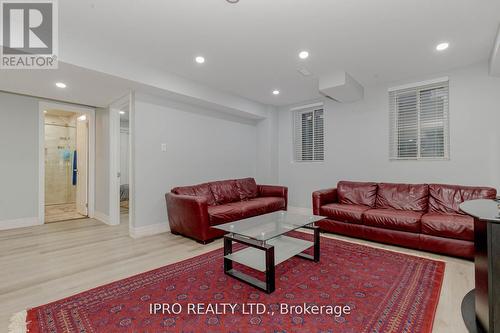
point(202, 145)
point(267, 148)
point(18, 158)
point(356, 140)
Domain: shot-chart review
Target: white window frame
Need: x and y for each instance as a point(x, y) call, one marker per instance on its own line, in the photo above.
point(393, 127)
point(297, 112)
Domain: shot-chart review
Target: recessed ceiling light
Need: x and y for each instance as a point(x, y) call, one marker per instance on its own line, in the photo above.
point(60, 85)
point(276, 92)
point(304, 55)
point(122, 112)
point(442, 46)
point(82, 118)
point(200, 60)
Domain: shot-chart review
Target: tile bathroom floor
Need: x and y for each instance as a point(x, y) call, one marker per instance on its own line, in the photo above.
point(61, 212)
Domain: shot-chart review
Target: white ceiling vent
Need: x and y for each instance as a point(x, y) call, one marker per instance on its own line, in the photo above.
point(341, 87)
point(304, 71)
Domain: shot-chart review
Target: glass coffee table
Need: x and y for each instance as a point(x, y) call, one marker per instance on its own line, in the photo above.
point(267, 244)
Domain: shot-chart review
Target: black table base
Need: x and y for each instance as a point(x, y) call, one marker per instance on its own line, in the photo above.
point(269, 284)
point(481, 307)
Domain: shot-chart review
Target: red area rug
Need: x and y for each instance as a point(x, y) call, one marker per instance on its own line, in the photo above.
point(386, 291)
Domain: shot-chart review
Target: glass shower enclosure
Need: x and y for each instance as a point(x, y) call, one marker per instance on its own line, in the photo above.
point(60, 146)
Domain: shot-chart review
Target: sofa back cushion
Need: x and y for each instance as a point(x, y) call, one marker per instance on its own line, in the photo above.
point(414, 197)
point(247, 188)
point(185, 190)
point(357, 193)
point(201, 190)
point(225, 191)
point(447, 198)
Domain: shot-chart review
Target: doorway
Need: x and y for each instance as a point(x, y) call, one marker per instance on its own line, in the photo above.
point(66, 165)
point(66, 154)
point(121, 191)
point(124, 165)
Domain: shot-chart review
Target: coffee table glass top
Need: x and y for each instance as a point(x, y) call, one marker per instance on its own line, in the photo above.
point(268, 226)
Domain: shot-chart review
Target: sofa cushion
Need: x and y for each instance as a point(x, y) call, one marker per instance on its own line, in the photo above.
point(447, 198)
point(234, 211)
point(247, 188)
point(272, 204)
point(343, 213)
point(251, 208)
point(225, 191)
point(224, 213)
point(413, 197)
point(454, 226)
point(201, 190)
point(357, 193)
point(403, 220)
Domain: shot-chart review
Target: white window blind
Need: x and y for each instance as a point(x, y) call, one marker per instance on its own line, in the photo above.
point(308, 135)
point(419, 122)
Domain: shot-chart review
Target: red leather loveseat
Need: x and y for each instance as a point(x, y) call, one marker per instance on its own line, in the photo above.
point(419, 216)
point(192, 210)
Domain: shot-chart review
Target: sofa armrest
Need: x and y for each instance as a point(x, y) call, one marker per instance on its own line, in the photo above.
point(323, 197)
point(188, 215)
point(274, 191)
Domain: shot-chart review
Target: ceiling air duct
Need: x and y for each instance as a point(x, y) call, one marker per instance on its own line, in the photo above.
point(341, 87)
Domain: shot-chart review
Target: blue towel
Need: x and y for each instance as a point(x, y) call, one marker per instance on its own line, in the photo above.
point(75, 169)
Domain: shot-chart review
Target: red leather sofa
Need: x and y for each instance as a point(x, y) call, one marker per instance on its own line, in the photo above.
point(420, 216)
point(192, 210)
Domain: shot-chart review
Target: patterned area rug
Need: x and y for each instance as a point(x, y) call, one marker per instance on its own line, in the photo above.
point(386, 292)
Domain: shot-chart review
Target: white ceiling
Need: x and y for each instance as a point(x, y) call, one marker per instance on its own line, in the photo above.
point(251, 47)
point(84, 86)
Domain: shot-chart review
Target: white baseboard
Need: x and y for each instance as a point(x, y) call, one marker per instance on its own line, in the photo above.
point(149, 230)
point(102, 217)
point(159, 228)
point(19, 223)
point(300, 210)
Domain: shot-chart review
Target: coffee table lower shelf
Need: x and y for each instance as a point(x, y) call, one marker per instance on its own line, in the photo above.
point(264, 256)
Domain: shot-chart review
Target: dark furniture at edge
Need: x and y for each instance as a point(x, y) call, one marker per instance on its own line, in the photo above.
point(481, 307)
point(420, 216)
point(193, 210)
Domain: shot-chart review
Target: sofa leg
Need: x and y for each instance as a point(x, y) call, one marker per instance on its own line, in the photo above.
point(204, 242)
point(174, 233)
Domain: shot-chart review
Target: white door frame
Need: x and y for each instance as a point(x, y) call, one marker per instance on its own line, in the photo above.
point(90, 113)
point(123, 104)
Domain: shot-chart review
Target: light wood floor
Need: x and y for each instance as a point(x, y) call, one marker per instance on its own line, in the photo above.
point(124, 207)
point(45, 263)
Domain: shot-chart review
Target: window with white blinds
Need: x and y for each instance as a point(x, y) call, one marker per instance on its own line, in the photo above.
point(419, 122)
point(308, 135)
